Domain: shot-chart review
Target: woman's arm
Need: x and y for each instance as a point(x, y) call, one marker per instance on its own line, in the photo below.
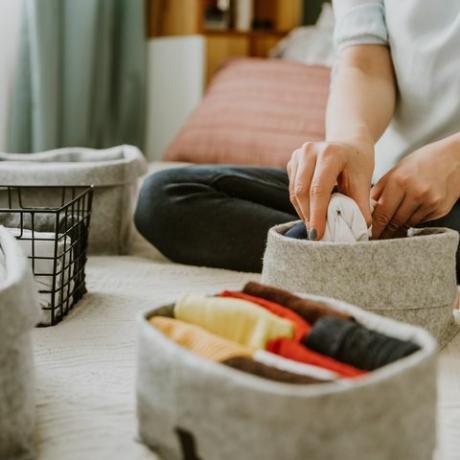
point(363, 94)
point(360, 107)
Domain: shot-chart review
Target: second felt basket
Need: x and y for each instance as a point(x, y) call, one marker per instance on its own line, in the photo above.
point(113, 172)
point(192, 408)
point(410, 279)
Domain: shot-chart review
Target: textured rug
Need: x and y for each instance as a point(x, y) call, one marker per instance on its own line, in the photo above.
point(86, 364)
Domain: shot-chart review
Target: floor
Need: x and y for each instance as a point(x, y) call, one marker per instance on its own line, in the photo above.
point(86, 364)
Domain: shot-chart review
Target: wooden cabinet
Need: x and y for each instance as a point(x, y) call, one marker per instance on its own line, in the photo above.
point(220, 47)
point(186, 17)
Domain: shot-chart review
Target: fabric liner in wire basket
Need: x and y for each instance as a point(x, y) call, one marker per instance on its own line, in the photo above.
point(55, 239)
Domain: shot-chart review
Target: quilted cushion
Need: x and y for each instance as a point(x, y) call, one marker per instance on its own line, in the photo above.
point(255, 112)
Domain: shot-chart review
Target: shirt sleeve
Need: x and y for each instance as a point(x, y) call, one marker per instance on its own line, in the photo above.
point(359, 22)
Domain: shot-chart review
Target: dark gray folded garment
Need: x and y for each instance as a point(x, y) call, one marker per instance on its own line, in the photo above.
point(354, 344)
point(297, 231)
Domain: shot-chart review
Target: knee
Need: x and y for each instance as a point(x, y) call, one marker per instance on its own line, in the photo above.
point(154, 205)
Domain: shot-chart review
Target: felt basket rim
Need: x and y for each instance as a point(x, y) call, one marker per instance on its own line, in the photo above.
point(416, 235)
point(29, 170)
point(428, 349)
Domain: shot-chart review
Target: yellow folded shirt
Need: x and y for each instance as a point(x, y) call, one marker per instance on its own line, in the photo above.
point(239, 320)
point(198, 340)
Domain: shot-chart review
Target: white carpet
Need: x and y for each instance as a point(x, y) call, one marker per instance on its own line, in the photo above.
point(86, 364)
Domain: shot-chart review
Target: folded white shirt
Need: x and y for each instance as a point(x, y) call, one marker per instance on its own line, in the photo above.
point(270, 359)
point(345, 221)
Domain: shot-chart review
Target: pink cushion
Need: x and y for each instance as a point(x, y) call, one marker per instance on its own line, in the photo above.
point(256, 112)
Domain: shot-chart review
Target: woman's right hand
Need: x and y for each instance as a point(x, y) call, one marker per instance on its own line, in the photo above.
point(317, 167)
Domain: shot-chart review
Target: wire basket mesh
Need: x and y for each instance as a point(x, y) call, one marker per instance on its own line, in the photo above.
point(54, 238)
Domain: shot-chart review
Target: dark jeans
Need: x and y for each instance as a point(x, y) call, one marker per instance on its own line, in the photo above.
point(218, 216)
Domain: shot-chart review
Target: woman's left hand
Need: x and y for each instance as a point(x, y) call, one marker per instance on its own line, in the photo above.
point(423, 186)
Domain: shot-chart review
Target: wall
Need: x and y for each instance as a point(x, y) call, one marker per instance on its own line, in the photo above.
point(10, 14)
point(175, 87)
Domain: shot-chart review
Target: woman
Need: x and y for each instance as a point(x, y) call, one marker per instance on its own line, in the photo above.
point(393, 116)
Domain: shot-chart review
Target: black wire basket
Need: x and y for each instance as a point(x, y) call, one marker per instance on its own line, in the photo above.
point(54, 238)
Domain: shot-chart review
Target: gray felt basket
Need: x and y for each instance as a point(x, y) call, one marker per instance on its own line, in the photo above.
point(410, 279)
point(192, 408)
point(19, 313)
point(114, 173)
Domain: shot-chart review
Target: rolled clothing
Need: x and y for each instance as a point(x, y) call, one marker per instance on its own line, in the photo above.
point(250, 366)
point(234, 319)
point(354, 344)
point(298, 231)
point(345, 222)
point(214, 348)
point(290, 349)
point(198, 340)
point(309, 310)
point(301, 326)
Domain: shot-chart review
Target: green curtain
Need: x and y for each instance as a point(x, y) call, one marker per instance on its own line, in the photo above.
point(81, 76)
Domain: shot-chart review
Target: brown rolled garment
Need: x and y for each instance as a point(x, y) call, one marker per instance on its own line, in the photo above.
point(309, 310)
point(250, 366)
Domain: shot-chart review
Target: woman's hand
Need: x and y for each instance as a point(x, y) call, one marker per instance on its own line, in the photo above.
point(423, 186)
point(317, 167)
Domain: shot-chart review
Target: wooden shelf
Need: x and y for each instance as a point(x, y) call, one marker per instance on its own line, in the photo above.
point(186, 17)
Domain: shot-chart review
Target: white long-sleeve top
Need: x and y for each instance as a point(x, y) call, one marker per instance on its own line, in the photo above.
point(424, 39)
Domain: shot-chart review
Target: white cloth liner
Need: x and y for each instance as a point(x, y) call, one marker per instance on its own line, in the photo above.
point(270, 359)
point(43, 245)
point(19, 312)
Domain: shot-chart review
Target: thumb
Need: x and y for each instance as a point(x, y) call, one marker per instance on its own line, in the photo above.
point(361, 195)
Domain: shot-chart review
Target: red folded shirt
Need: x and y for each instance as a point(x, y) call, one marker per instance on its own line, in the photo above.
point(301, 327)
point(290, 349)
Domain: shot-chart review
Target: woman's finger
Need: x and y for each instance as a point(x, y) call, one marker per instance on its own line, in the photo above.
point(378, 188)
point(400, 219)
point(423, 214)
point(304, 174)
point(360, 193)
point(387, 205)
point(322, 184)
point(292, 172)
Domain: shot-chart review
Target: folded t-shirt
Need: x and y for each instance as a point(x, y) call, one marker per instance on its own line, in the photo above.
point(234, 319)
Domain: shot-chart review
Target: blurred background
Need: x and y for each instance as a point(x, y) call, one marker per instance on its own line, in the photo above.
point(98, 73)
